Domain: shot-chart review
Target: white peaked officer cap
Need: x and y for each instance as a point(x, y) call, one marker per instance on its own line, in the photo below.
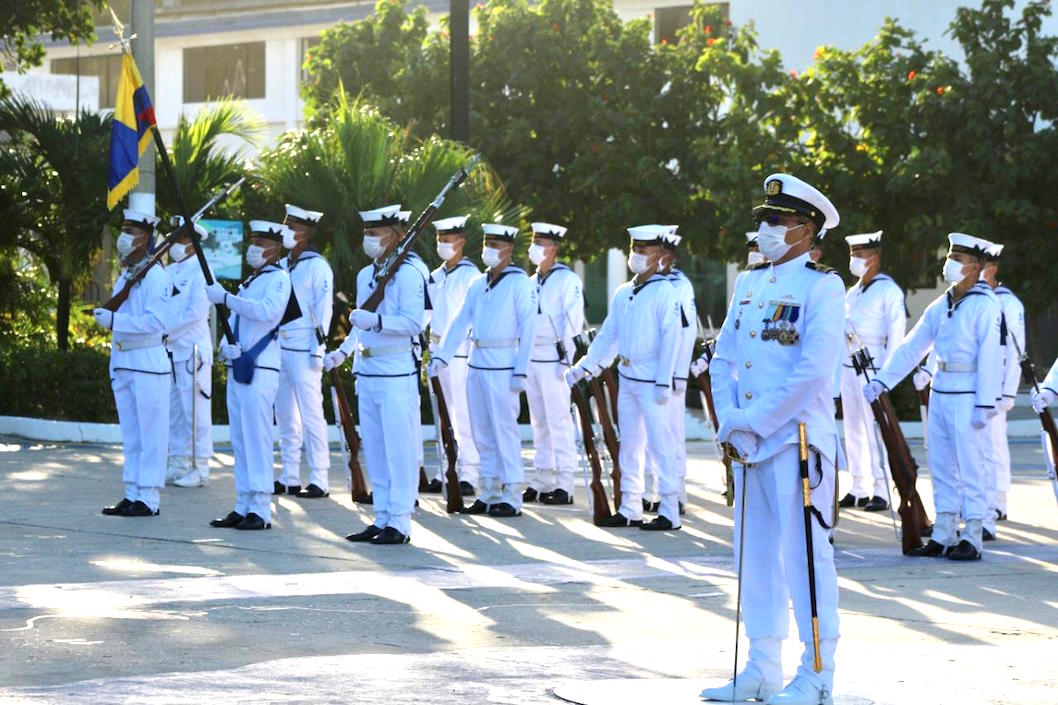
point(788, 194)
point(669, 238)
point(549, 230)
point(751, 238)
point(303, 216)
point(387, 215)
point(502, 232)
point(404, 217)
point(994, 252)
point(451, 226)
point(178, 221)
point(269, 230)
point(648, 234)
point(138, 219)
point(968, 244)
point(864, 240)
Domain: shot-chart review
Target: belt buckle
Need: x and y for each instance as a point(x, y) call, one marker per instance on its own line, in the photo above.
point(119, 346)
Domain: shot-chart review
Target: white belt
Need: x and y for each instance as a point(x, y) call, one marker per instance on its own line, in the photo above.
point(541, 342)
point(868, 340)
point(138, 343)
point(495, 342)
point(383, 351)
point(956, 366)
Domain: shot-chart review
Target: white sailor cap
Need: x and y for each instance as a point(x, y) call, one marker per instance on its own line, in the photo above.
point(788, 194)
point(994, 251)
point(669, 239)
point(501, 232)
point(648, 234)
point(751, 238)
point(864, 240)
point(404, 217)
point(387, 215)
point(269, 230)
point(178, 220)
point(139, 219)
point(303, 216)
point(549, 230)
point(968, 244)
point(455, 225)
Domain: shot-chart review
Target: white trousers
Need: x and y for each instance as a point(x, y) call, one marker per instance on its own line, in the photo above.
point(494, 423)
point(997, 480)
point(555, 461)
point(181, 398)
point(645, 423)
point(299, 413)
point(775, 560)
point(142, 400)
point(958, 467)
point(389, 413)
point(677, 410)
point(861, 444)
point(454, 384)
point(250, 419)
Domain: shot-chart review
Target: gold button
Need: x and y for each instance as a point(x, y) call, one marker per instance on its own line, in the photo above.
point(748, 364)
point(772, 280)
point(749, 395)
point(753, 334)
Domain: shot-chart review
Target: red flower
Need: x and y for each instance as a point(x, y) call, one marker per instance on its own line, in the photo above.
point(708, 29)
point(596, 148)
point(478, 6)
point(554, 27)
point(728, 23)
point(940, 90)
point(664, 41)
point(793, 73)
point(911, 75)
point(710, 41)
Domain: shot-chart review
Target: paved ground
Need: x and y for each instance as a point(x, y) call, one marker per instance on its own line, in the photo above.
point(110, 610)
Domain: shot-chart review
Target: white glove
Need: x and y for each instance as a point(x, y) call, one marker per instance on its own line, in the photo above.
point(517, 384)
point(435, 366)
point(1005, 404)
point(574, 374)
point(230, 351)
point(700, 366)
point(215, 293)
point(364, 320)
point(333, 359)
point(661, 394)
point(921, 379)
point(104, 318)
point(873, 390)
point(1042, 399)
point(980, 416)
point(745, 443)
point(679, 386)
point(734, 420)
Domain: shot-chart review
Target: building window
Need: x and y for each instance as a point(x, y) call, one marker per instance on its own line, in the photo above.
point(235, 70)
point(669, 20)
point(107, 68)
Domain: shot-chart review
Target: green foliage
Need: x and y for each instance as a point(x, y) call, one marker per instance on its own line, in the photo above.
point(22, 22)
point(56, 384)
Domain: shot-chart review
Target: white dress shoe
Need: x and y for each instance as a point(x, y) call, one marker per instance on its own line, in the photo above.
point(801, 691)
point(191, 479)
point(747, 686)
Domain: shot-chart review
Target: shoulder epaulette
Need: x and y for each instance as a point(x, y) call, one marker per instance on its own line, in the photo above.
point(821, 268)
point(758, 265)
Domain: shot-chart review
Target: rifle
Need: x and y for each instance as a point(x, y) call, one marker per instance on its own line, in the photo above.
point(115, 301)
point(1049, 431)
point(601, 405)
point(705, 389)
point(902, 465)
point(446, 438)
point(582, 416)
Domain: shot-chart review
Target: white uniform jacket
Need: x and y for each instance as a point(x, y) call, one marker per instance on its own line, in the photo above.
point(187, 318)
point(500, 316)
point(448, 290)
point(777, 352)
point(312, 282)
point(965, 337)
point(641, 329)
point(139, 324)
point(258, 308)
point(688, 323)
point(1051, 380)
point(1013, 339)
point(875, 317)
point(388, 351)
point(560, 312)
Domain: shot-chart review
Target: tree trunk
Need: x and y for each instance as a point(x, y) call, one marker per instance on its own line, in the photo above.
point(62, 315)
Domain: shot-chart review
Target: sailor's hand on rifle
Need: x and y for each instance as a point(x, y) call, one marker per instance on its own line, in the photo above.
point(230, 351)
point(517, 383)
point(873, 390)
point(104, 317)
point(364, 320)
point(1042, 399)
point(734, 420)
point(333, 359)
point(435, 366)
point(574, 374)
point(921, 379)
point(700, 366)
point(979, 417)
point(216, 293)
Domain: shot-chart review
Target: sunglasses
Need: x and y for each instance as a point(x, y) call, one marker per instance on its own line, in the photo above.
point(775, 219)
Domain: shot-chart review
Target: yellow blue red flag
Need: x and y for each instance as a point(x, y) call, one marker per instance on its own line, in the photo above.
point(130, 132)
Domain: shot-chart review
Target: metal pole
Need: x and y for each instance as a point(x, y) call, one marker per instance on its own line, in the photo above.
point(141, 21)
point(194, 408)
point(459, 61)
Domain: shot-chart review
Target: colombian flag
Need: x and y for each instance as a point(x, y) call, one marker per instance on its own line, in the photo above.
point(130, 132)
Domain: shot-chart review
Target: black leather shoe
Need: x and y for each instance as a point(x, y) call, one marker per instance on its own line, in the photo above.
point(649, 506)
point(876, 504)
point(252, 522)
point(293, 489)
point(683, 509)
point(556, 497)
point(366, 535)
point(139, 509)
point(117, 510)
point(530, 495)
point(659, 523)
point(478, 507)
point(965, 551)
point(313, 491)
point(432, 487)
point(503, 510)
point(466, 489)
point(278, 488)
point(847, 501)
point(619, 520)
point(229, 522)
point(1001, 515)
point(390, 536)
point(932, 549)
point(987, 535)
point(862, 502)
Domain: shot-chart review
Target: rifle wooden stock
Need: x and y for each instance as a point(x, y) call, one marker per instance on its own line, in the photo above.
point(609, 385)
point(358, 486)
point(904, 469)
point(600, 503)
point(447, 438)
point(609, 433)
point(705, 384)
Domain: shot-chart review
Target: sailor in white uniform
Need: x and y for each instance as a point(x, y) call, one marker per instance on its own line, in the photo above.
point(642, 331)
point(875, 318)
point(560, 316)
point(140, 373)
point(256, 313)
point(963, 327)
point(773, 369)
point(448, 286)
point(387, 380)
point(1048, 391)
point(753, 255)
point(190, 345)
point(299, 400)
point(500, 314)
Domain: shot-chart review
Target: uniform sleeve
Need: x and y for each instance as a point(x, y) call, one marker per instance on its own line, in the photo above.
point(458, 328)
point(895, 320)
point(603, 348)
point(525, 310)
point(410, 289)
point(1016, 331)
point(821, 347)
point(348, 345)
point(669, 333)
point(157, 287)
point(911, 350)
point(688, 333)
point(270, 307)
point(989, 355)
point(196, 307)
point(571, 318)
point(1051, 380)
point(722, 380)
point(323, 296)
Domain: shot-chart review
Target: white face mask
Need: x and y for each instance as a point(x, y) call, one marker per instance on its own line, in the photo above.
point(255, 256)
point(953, 271)
point(754, 257)
point(126, 243)
point(771, 239)
point(373, 246)
point(490, 256)
point(858, 266)
point(289, 240)
point(537, 253)
point(638, 263)
point(178, 253)
point(446, 250)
